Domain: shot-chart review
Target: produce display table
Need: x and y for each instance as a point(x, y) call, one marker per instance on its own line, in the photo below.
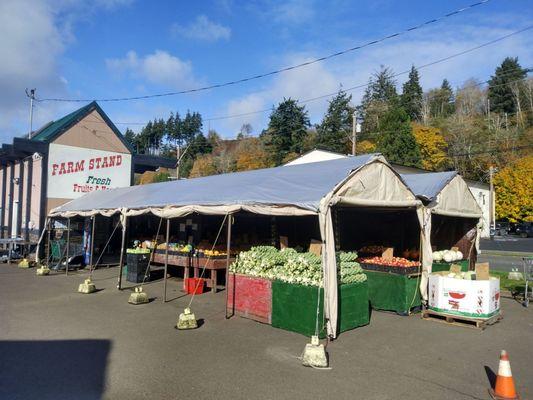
point(294, 307)
point(186, 262)
point(393, 292)
point(445, 266)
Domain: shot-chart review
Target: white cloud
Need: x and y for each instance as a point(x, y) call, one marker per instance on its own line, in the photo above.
point(356, 68)
point(34, 35)
point(304, 83)
point(288, 13)
point(202, 28)
point(160, 68)
point(294, 11)
point(29, 50)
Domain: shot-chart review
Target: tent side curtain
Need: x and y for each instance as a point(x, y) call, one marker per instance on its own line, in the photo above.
point(374, 184)
point(176, 212)
point(457, 200)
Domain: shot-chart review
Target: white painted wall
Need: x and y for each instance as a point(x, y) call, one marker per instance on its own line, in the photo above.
point(481, 193)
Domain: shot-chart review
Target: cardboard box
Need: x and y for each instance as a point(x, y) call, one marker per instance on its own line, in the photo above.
point(473, 299)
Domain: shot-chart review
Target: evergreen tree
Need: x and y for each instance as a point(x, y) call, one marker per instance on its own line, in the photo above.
point(381, 87)
point(379, 96)
point(131, 138)
point(412, 96)
point(286, 130)
point(442, 100)
point(502, 99)
point(200, 145)
point(191, 126)
point(396, 141)
point(157, 135)
point(335, 129)
point(447, 98)
point(143, 139)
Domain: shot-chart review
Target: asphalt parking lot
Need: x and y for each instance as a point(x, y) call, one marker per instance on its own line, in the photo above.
point(58, 344)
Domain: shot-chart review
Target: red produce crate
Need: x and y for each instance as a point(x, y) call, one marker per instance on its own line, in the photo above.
point(253, 297)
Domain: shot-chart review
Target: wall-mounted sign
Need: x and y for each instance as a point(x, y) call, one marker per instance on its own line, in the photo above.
point(75, 171)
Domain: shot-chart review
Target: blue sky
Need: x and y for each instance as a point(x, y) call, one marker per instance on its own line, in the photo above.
point(116, 48)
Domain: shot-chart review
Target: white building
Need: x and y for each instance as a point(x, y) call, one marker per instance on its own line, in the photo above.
point(480, 190)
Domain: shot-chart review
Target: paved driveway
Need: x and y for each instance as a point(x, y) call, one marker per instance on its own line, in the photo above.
point(58, 344)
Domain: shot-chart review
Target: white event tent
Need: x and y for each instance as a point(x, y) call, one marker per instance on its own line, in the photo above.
point(306, 189)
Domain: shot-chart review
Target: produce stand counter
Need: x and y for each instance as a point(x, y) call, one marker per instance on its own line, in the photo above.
point(389, 291)
point(445, 266)
point(294, 307)
point(187, 261)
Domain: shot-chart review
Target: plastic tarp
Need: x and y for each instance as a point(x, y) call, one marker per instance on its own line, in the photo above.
point(296, 187)
point(446, 193)
point(428, 185)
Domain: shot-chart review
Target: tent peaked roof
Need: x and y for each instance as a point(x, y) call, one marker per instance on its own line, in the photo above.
point(446, 192)
point(428, 185)
point(302, 186)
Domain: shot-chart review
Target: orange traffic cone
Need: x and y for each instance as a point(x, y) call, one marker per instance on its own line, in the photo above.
point(504, 388)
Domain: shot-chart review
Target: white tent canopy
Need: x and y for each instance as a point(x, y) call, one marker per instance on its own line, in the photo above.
point(445, 193)
point(306, 189)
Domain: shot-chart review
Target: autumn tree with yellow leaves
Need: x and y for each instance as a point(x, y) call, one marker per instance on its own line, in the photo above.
point(514, 191)
point(432, 147)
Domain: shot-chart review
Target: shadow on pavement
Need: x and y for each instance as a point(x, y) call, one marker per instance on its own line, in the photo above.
point(53, 369)
point(491, 376)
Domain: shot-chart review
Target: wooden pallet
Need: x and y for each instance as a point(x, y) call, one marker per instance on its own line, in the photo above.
point(459, 320)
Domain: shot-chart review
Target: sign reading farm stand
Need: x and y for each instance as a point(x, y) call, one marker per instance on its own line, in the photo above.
point(75, 171)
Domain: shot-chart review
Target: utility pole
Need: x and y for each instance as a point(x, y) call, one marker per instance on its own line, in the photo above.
point(356, 128)
point(354, 122)
point(178, 163)
point(31, 95)
point(492, 198)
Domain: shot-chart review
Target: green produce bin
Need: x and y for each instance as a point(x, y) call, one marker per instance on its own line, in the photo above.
point(445, 266)
point(393, 292)
point(294, 307)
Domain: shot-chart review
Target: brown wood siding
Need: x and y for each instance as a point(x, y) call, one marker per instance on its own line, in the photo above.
point(92, 133)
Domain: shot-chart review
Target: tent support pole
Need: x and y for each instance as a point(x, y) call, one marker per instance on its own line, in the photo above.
point(122, 245)
point(228, 255)
point(68, 246)
point(49, 235)
point(166, 263)
point(92, 243)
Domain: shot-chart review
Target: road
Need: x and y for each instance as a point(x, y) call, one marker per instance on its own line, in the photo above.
point(507, 243)
point(505, 253)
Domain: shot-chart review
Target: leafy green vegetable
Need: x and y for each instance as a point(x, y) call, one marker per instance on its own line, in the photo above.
point(290, 266)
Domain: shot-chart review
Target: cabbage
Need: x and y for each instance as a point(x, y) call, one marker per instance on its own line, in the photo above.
point(459, 255)
point(448, 256)
point(437, 256)
point(290, 266)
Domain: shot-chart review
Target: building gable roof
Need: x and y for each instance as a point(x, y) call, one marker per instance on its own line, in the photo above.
point(52, 130)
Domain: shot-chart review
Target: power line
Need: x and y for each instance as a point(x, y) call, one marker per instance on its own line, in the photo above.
point(360, 86)
point(285, 69)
